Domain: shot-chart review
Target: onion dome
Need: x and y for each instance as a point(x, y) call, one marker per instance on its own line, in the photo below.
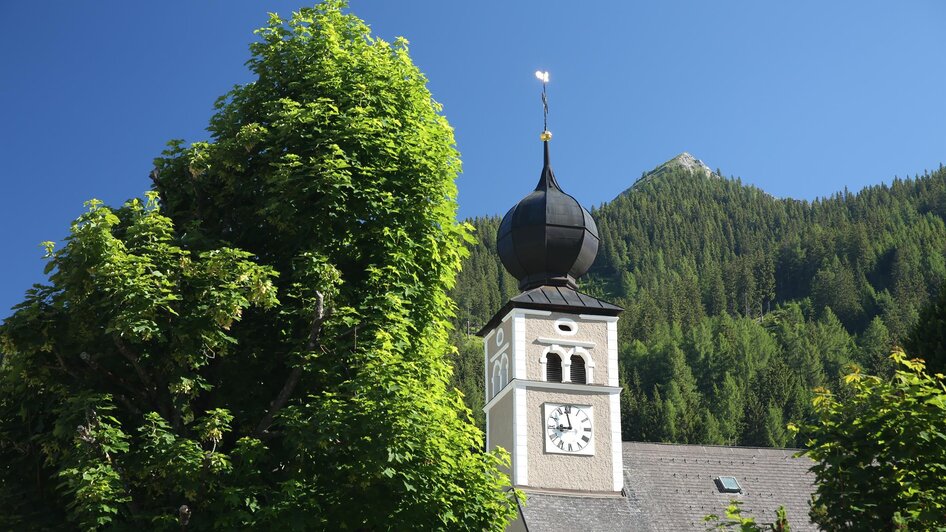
point(548, 238)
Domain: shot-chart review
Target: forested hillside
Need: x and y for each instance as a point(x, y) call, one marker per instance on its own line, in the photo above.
point(738, 303)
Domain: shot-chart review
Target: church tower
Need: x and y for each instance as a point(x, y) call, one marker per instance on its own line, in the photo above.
point(551, 357)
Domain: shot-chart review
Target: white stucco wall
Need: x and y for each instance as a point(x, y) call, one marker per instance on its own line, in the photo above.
point(501, 425)
point(592, 336)
point(566, 471)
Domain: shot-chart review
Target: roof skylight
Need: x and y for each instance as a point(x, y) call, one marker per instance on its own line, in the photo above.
point(728, 485)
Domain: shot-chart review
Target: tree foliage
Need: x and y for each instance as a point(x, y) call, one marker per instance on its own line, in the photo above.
point(928, 338)
point(734, 520)
point(880, 451)
point(267, 346)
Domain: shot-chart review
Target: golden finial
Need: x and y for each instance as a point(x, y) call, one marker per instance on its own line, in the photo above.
point(544, 78)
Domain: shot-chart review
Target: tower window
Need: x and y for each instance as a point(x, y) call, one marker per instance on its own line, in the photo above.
point(578, 369)
point(566, 327)
point(553, 368)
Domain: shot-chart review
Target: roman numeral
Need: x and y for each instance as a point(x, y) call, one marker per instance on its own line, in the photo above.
point(585, 439)
point(587, 429)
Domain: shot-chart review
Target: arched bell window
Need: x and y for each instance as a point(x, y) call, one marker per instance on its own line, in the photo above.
point(553, 368)
point(578, 370)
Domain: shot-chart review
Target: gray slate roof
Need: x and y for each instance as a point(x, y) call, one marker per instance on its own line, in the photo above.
point(555, 298)
point(671, 488)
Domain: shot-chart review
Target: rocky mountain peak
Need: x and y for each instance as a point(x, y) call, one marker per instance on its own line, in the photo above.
point(684, 161)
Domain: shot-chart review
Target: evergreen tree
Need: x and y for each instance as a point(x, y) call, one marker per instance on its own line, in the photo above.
point(929, 336)
point(874, 348)
point(760, 285)
point(776, 434)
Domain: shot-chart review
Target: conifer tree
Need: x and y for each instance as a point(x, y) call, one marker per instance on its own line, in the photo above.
point(929, 336)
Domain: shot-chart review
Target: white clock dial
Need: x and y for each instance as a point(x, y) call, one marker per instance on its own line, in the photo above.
point(568, 429)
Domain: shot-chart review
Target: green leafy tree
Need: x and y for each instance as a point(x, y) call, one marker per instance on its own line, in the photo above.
point(881, 451)
point(735, 520)
point(269, 348)
point(468, 375)
point(106, 371)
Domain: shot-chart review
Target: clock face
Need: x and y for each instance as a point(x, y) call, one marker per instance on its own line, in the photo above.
point(568, 429)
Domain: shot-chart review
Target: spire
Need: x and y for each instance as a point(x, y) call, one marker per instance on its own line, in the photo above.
point(547, 179)
point(548, 238)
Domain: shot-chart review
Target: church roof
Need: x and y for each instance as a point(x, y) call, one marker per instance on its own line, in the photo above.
point(547, 238)
point(671, 487)
point(556, 299)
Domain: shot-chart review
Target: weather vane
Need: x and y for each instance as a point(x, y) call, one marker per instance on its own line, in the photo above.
point(544, 78)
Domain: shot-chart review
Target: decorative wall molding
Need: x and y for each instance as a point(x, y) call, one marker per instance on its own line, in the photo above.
point(613, 353)
point(519, 384)
point(533, 312)
point(518, 342)
point(562, 353)
point(566, 326)
point(565, 341)
point(589, 364)
point(520, 439)
point(499, 352)
point(595, 317)
point(591, 388)
point(617, 458)
point(523, 312)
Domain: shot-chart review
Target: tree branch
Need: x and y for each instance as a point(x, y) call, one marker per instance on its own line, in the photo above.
point(292, 380)
point(115, 379)
point(128, 404)
point(62, 365)
point(151, 390)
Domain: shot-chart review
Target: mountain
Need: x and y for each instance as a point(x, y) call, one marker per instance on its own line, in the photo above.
point(684, 161)
point(737, 302)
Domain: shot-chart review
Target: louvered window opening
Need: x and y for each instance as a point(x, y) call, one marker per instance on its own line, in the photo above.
point(578, 370)
point(553, 368)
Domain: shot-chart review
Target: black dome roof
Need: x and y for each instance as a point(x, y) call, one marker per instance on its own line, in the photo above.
point(548, 238)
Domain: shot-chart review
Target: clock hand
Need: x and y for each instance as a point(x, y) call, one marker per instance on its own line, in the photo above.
point(569, 420)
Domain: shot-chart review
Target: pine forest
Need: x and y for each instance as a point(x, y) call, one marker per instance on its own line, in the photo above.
point(738, 305)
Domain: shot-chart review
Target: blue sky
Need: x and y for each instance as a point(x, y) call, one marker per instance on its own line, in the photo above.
point(799, 98)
